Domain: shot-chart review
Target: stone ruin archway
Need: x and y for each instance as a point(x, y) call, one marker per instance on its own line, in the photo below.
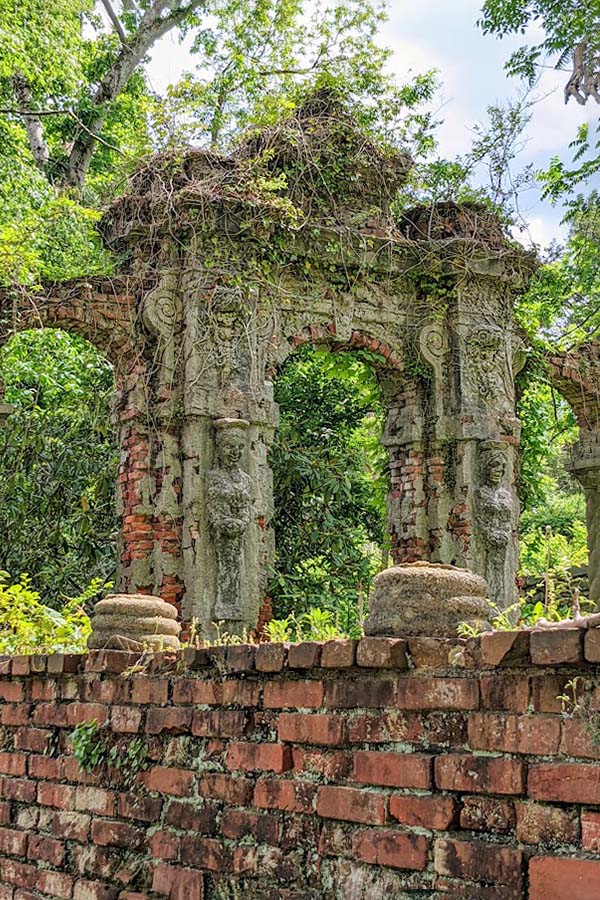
point(228, 264)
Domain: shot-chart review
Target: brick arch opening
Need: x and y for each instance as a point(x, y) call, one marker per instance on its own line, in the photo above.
point(397, 390)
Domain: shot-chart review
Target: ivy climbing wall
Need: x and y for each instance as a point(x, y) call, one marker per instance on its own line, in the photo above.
point(313, 771)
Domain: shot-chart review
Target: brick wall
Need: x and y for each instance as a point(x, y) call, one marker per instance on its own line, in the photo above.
point(336, 770)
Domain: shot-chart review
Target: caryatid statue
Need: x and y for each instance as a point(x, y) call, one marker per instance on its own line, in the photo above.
point(229, 507)
point(494, 512)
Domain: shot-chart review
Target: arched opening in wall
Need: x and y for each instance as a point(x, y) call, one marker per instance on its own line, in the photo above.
point(58, 464)
point(331, 481)
point(553, 532)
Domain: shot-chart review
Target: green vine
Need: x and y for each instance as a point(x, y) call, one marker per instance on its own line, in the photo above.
point(93, 750)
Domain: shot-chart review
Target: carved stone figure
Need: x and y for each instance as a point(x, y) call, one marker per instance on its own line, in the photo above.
point(229, 505)
point(494, 513)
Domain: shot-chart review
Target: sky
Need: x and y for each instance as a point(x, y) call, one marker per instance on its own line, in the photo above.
point(443, 34)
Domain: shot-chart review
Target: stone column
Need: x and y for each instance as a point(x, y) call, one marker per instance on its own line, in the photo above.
point(585, 466)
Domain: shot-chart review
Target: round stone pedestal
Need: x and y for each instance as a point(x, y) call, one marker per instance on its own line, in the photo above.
point(134, 622)
point(426, 598)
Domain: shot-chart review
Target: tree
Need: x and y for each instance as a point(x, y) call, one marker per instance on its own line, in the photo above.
point(571, 30)
point(43, 51)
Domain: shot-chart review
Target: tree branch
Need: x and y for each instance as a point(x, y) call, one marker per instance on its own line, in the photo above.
point(115, 20)
point(40, 113)
point(585, 80)
point(153, 25)
point(31, 121)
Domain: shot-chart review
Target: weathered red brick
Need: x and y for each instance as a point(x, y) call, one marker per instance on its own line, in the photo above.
point(338, 654)
point(176, 782)
point(560, 647)
point(564, 783)
point(11, 691)
point(478, 861)
point(45, 767)
point(178, 883)
point(294, 694)
point(150, 690)
point(20, 789)
point(389, 848)
point(238, 823)
point(14, 715)
point(215, 693)
point(125, 719)
point(487, 814)
point(13, 763)
point(60, 884)
point(144, 809)
point(60, 796)
point(508, 692)
point(514, 734)
point(71, 826)
point(12, 843)
point(351, 805)
point(258, 757)
point(234, 790)
point(592, 645)
point(361, 693)
point(546, 691)
point(408, 770)
point(557, 878)
point(224, 723)
point(435, 813)
point(193, 816)
point(116, 834)
point(95, 800)
point(271, 657)
point(171, 720)
point(382, 653)
point(330, 765)
point(438, 693)
point(205, 853)
point(311, 729)
point(590, 830)
point(504, 648)
point(430, 652)
point(47, 849)
point(164, 845)
point(94, 890)
point(579, 739)
point(541, 824)
point(291, 796)
point(479, 774)
point(306, 655)
point(32, 739)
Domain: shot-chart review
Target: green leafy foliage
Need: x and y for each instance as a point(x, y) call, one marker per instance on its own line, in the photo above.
point(29, 626)
point(94, 748)
point(313, 625)
point(57, 464)
point(330, 484)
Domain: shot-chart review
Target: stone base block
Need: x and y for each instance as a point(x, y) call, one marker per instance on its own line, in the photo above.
point(134, 622)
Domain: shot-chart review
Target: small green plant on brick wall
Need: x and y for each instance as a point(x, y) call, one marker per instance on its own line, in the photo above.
point(576, 702)
point(314, 625)
point(93, 749)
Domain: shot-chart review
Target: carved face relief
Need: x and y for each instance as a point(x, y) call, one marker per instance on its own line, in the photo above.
point(493, 467)
point(231, 443)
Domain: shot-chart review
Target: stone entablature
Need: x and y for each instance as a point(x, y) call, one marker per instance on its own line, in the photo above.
point(225, 277)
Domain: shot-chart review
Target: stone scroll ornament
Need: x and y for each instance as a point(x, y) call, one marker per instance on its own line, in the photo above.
point(494, 513)
point(229, 506)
